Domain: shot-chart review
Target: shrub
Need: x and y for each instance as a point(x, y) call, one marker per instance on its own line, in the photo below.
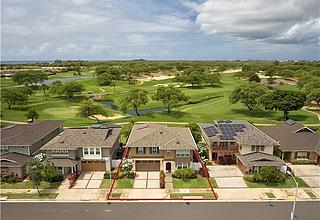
point(9, 178)
point(107, 175)
point(303, 162)
point(267, 175)
point(131, 175)
point(49, 174)
point(186, 173)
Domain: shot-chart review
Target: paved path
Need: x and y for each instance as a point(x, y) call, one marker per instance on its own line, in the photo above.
point(169, 183)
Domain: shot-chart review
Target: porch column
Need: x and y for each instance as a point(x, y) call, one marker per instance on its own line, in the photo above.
point(210, 154)
point(72, 169)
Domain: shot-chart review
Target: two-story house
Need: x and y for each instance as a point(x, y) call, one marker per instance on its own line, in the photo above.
point(19, 142)
point(242, 142)
point(83, 149)
point(155, 147)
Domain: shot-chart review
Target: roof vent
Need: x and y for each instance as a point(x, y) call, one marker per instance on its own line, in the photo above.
point(161, 132)
point(178, 142)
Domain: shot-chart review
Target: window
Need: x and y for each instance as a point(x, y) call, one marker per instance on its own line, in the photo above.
point(140, 150)
point(232, 143)
point(262, 148)
point(182, 165)
point(98, 151)
point(91, 151)
point(223, 144)
point(85, 151)
point(257, 148)
point(183, 153)
point(154, 150)
point(253, 148)
point(4, 149)
point(168, 152)
point(302, 155)
point(60, 152)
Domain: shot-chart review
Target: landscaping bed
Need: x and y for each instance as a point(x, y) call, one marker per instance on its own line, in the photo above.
point(288, 183)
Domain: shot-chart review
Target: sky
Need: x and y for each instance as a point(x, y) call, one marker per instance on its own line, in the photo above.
point(159, 29)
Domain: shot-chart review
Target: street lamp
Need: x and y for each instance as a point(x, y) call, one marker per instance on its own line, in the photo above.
point(295, 197)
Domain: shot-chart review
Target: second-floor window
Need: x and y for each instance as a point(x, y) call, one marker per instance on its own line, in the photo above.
point(60, 152)
point(183, 153)
point(4, 149)
point(223, 144)
point(98, 151)
point(91, 151)
point(85, 151)
point(257, 148)
point(140, 150)
point(168, 152)
point(154, 150)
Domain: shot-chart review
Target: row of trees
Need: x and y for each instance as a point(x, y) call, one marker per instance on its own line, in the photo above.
point(255, 96)
point(170, 97)
point(198, 76)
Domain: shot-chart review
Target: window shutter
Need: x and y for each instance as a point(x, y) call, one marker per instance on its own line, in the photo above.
point(150, 148)
point(137, 150)
point(158, 150)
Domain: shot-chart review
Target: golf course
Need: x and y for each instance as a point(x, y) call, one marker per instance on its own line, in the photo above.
point(205, 103)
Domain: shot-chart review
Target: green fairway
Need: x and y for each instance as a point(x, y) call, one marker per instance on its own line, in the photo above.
point(212, 104)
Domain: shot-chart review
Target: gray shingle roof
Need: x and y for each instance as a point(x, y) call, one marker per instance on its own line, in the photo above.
point(166, 138)
point(13, 160)
point(27, 134)
point(72, 139)
point(295, 137)
point(244, 133)
point(259, 159)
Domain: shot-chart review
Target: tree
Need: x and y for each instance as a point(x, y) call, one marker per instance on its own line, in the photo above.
point(169, 96)
point(248, 94)
point(314, 95)
point(271, 72)
point(285, 101)
point(14, 96)
point(213, 79)
point(195, 130)
point(90, 108)
point(56, 88)
point(71, 88)
point(32, 114)
point(34, 171)
point(271, 175)
point(44, 88)
point(27, 78)
point(254, 78)
point(135, 98)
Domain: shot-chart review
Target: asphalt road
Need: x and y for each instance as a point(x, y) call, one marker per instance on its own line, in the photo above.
point(158, 210)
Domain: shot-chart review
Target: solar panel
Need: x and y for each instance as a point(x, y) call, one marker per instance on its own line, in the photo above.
point(210, 131)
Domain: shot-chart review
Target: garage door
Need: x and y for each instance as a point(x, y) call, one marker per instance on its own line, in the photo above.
point(93, 165)
point(147, 165)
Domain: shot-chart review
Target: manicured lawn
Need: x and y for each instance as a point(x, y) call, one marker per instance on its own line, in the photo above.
point(116, 195)
point(124, 183)
point(205, 111)
point(289, 183)
point(30, 195)
point(29, 185)
point(312, 195)
point(181, 195)
point(199, 182)
point(105, 184)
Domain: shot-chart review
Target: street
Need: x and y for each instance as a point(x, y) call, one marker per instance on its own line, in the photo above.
point(158, 210)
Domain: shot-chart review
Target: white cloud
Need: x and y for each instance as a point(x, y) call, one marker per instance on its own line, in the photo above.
point(285, 21)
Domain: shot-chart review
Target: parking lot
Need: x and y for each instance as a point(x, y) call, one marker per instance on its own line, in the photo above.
point(89, 180)
point(147, 180)
point(227, 176)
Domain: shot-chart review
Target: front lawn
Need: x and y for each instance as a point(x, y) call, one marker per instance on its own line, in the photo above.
point(105, 184)
point(124, 183)
point(30, 195)
point(29, 185)
point(289, 183)
point(181, 195)
point(199, 182)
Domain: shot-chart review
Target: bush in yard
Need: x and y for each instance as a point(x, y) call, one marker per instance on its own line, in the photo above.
point(107, 175)
point(49, 174)
point(267, 175)
point(162, 180)
point(186, 173)
point(305, 162)
point(9, 178)
point(127, 166)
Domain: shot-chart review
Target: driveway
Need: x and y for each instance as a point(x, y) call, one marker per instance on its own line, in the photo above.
point(147, 180)
point(227, 176)
point(309, 173)
point(89, 180)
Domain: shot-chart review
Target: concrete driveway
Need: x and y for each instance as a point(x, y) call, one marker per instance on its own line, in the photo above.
point(89, 180)
point(227, 176)
point(147, 180)
point(309, 173)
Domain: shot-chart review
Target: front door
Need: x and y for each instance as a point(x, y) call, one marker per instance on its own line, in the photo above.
point(168, 167)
